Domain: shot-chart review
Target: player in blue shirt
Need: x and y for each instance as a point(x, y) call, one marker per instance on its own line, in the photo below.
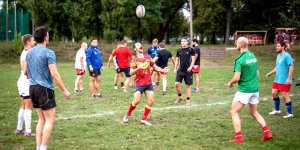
point(283, 80)
point(152, 51)
point(94, 63)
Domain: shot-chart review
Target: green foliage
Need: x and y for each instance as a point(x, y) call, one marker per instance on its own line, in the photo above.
point(17, 44)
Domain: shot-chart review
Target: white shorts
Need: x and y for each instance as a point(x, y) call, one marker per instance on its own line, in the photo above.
point(246, 98)
point(23, 87)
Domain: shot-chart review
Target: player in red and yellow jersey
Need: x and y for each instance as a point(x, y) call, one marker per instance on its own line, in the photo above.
point(140, 66)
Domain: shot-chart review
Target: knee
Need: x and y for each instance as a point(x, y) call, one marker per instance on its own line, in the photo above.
point(274, 94)
point(232, 112)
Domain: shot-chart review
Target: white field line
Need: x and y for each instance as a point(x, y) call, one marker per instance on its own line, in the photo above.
point(109, 113)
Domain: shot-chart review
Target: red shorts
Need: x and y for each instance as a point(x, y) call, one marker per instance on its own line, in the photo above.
point(281, 87)
point(80, 71)
point(196, 69)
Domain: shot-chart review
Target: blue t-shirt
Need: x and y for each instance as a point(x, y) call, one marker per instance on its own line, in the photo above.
point(283, 62)
point(152, 51)
point(38, 59)
point(93, 57)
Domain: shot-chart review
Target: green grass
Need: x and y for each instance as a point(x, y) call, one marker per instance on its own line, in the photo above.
point(83, 123)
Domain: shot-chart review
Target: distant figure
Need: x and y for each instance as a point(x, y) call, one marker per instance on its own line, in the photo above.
point(185, 59)
point(41, 68)
point(283, 80)
point(123, 55)
point(23, 88)
point(95, 64)
point(118, 71)
point(246, 75)
point(196, 67)
point(152, 51)
point(140, 66)
point(80, 66)
point(161, 60)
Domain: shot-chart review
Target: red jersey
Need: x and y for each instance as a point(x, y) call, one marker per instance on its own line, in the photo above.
point(142, 76)
point(122, 54)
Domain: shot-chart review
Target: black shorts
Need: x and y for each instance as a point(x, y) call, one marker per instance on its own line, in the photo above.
point(95, 73)
point(187, 76)
point(118, 70)
point(126, 71)
point(42, 97)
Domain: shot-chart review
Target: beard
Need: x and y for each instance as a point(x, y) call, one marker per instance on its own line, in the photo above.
point(278, 51)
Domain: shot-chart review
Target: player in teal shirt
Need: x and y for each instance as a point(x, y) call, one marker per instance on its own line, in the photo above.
point(283, 80)
point(246, 75)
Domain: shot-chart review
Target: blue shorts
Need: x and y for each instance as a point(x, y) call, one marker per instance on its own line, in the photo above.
point(143, 89)
point(126, 71)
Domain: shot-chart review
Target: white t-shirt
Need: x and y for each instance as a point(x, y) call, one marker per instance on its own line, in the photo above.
point(23, 58)
point(80, 53)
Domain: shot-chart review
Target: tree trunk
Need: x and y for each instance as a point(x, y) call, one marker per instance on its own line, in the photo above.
point(228, 15)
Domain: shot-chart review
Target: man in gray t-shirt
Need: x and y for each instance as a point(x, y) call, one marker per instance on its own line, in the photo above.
point(41, 70)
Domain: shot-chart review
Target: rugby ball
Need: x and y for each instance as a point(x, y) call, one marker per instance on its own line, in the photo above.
point(140, 11)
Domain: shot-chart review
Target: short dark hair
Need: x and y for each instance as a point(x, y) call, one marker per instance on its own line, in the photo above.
point(162, 45)
point(92, 39)
point(40, 33)
point(123, 42)
point(26, 38)
point(282, 44)
point(195, 40)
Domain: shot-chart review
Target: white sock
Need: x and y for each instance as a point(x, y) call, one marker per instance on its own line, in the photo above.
point(43, 147)
point(38, 147)
point(164, 84)
point(27, 118)
point(20, 119)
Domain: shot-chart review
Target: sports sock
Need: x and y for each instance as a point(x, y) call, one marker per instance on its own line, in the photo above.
point(289, 107)
point(188, 98)
point(115, 84)
point(265, 129)
point(27, 118)
point(38, 147)
point(179, 95)
point(20, 119)
point(122, 84)
point(146, 112)
point(43, 147)
point(238, 135)
point(131, 108)
point(276, 103)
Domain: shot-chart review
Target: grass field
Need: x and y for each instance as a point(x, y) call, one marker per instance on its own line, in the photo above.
point(84, 123)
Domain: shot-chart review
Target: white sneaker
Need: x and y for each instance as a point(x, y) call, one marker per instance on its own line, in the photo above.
point(125, 119)
point(125, 91)
point(188, 103)
point(145, 122)
point(115, 87)
point(288, 115)
point(274, 112)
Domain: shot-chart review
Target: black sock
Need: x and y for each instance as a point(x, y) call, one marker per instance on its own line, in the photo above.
point(179, 94)
point(115, 84)
point(188, 98)
point(121, 83)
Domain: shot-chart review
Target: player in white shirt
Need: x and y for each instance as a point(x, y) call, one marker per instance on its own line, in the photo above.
point(23, 88)
point(80, 66)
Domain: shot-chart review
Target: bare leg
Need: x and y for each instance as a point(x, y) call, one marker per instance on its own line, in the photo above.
point(196, 76)
point(92, 86)
point(259, 119)
point(40, 126)
point(49, 121)
point(236, 107)
point(97, 84)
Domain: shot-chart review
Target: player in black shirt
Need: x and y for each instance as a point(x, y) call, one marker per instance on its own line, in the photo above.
point(196, 67)
point(185, 59)
point(161, 60)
